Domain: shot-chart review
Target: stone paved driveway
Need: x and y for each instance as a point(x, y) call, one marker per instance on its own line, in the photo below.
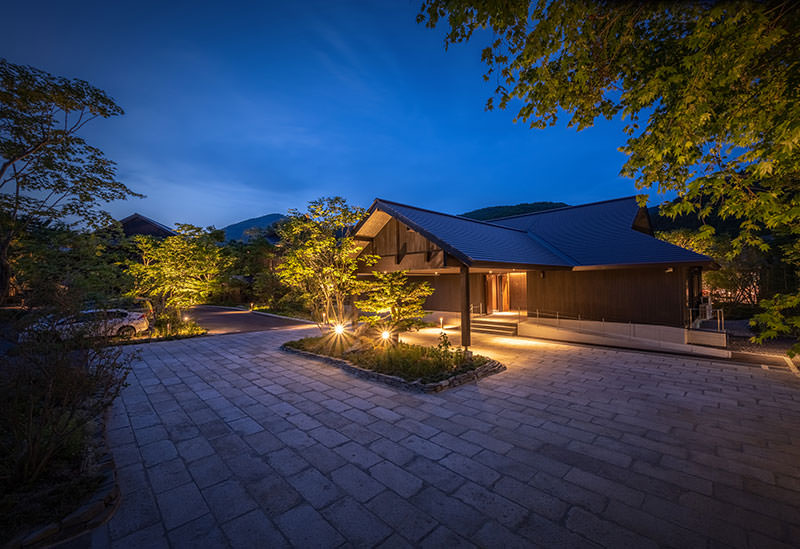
point(228, 441)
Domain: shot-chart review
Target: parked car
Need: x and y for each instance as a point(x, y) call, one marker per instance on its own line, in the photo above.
point(92, 323)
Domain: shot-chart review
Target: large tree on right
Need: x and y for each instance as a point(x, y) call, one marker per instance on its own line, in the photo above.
point(709, 92)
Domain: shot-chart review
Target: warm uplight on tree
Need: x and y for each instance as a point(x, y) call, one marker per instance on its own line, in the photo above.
point(386, 334)
point(339, 329)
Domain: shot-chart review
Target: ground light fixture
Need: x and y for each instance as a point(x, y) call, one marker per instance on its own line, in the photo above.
point(339, 329)
point(386, 334)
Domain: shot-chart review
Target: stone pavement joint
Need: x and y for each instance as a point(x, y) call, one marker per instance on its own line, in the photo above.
point(227, 441)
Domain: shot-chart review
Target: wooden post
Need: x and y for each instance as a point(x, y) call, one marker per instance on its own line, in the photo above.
point(465, 316)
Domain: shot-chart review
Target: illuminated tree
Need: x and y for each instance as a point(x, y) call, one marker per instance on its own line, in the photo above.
point(320, 257)
point(395, 301)
point(47, 171)
point(709, 91)
point(179, 271)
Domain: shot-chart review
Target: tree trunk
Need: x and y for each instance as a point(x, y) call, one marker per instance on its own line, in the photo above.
point(5, 274)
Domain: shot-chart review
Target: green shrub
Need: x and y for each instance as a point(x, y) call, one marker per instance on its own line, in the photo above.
point(410, 362)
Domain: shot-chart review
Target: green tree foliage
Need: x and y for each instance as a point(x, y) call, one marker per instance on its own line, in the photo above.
point(395, 301)
point(709, 90)
point(48, 171)
point(319, 258)
point(179, 271)
point(738, 280)
point(50, 261)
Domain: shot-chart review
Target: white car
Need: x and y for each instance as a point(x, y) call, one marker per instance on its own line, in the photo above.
point(93, 323)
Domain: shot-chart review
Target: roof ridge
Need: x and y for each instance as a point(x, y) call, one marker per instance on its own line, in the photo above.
point(461, 217)
point(561, 209)
point(153, 221)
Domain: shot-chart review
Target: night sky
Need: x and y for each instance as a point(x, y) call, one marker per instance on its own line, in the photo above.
point(235, 110)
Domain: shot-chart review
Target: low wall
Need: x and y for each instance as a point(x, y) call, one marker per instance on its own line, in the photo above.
point(616, 334)
point(532, 329)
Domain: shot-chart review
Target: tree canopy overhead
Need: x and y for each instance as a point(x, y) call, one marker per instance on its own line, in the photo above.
point(47, 170)
point(710, 92)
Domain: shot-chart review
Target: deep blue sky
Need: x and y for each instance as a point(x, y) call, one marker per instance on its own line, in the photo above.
point(235, 110)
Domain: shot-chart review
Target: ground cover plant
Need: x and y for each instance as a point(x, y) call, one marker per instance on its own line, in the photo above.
point(53, 390)
point(427, 364)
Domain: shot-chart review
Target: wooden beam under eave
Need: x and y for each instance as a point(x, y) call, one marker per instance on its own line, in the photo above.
point(466, 327)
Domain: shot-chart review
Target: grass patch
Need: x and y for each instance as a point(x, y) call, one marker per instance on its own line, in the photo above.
point(409, 362)
point(290, 312)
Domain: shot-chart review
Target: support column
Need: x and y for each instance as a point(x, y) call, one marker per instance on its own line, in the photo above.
point(465, 316)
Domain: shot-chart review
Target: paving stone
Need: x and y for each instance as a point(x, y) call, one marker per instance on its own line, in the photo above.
point(151, 434)
point(531, 498)
point(444, 537)
point(168, 475)
point(606, 487)
point(356, 483)
point(201, 532)
point(228, 499)
point(138, 513)
point(249, 468)
point(470, 469)
point(402, 516)
point(194, 448)
point(425, 448)
point(180, 505)
point(328, 437)
point(322, 458)
point(286, 461)
point(359, 526)
point(132, 478)
point(358, 454)
point(546, 533)
point(254, 530)
point(152, 536)
point(305, 527)
point(449, 511)
point(604, 532)
point(493, 534)
point(245, 426)
point(392, 451)
point(491, 503)
point(314, 487)
point(572, 446)
point(397, 479)
point(431, 472)
point(274, 495)
point(208, 471)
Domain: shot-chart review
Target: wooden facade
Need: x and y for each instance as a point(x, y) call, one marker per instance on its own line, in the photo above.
point(403, 249)
point(642, 295)
point(648, 295)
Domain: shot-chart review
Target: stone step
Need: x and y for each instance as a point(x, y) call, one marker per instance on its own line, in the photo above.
point(487, 328)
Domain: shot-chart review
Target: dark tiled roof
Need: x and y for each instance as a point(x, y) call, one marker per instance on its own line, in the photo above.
point(592, 235)
point(472, 240)
point(138, 224)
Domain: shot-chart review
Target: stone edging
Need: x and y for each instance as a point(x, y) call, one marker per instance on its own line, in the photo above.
point(95, 511)
point(491, 367)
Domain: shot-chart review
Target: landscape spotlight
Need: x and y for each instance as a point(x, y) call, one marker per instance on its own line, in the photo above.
point(339, 329)
point(386, 334)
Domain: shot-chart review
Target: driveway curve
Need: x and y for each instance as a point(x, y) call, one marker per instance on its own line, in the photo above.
point(227, 320)
point(227, 441)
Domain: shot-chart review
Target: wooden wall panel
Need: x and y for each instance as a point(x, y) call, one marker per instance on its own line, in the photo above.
point(446, 290)
point(403, 249)
point(649, 296)
point(519, 291)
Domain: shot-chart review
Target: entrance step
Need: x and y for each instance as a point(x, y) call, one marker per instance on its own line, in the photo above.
point(494, 327)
